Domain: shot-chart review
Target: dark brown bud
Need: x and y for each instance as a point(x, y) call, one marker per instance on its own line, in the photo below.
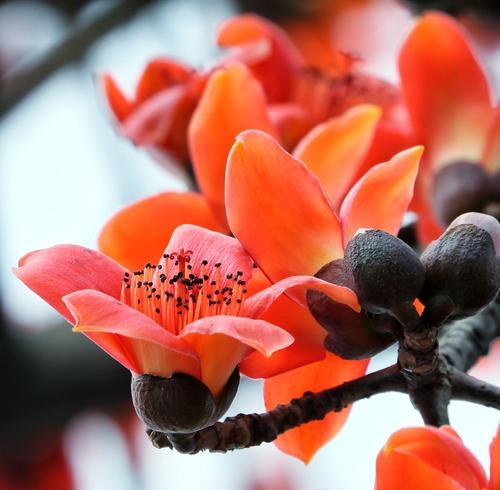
point(460, 266)
point(387, 274)
point(461, 187)
point(351, 335)
point(181, 403)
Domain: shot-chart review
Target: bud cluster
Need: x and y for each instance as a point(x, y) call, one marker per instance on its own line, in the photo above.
point(456, 276)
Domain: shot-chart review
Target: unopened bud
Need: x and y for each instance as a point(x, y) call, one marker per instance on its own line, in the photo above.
point(181, 403)
point(461, 267)
point(351, 335)
point(461, 187)
point(387, 274)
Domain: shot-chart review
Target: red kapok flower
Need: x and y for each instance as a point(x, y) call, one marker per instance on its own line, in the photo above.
point(189, 313)
point(427, 457)
point(158, 115)
point(452, 111)
point(280, 213)
point(334, 150)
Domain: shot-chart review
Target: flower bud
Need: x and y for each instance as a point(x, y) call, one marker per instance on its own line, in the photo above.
point(387, 274)
point(181, 403)
point(460, 187)
point(461, 266)
point(351, 335)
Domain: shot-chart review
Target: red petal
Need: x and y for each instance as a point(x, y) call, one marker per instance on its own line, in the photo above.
point(138, 233)
point(160, 74)
point(446, 90)
point(63, 269)
point(223, 341)
point(257, 305)
point(380, 199)
point(116, 99)
point(266, 48)
point(278, 210)
point(220, 116)
point(149, 347)
point(303, 442)
point(308, 335)
point(440, 449)
point(213, 247)
point(292, 122)
point(335, 150)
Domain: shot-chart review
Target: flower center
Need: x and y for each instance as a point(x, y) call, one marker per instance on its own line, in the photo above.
point(324, 95)
point(177, 292)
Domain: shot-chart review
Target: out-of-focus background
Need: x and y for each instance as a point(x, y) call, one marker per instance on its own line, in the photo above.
point(65, 415)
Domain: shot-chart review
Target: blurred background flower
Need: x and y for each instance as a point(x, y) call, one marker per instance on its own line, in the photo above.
point(66, 419)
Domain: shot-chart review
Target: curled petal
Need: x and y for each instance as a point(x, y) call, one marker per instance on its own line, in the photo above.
point(278, 210)
point(334, 150)
point(143, 346)
point(221, 342)
point(439, 449)
point(303, 442)
point(221, 115)
point(63, 269)
point(273, 58)
point(380, 199)
point(297, 321)
point(446, 90)
point(256, 306)
point(214, 248)
point(139, 232)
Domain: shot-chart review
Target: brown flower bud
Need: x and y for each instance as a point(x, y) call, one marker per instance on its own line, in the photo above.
point(461, 187)
point(351, 335)
point(461, 267)
point(181, 403)
point(387, 274)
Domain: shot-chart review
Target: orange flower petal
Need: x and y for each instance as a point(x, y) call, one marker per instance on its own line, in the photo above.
point(220, 116)
point(446, 90)
point(273, 58)
point(278, 210)
point(491, 156)
point(292, 122)
point(148, 347)
point(303, 442)
point(223, 341)
point(296, 320)
point(257, 305)
point(390, 138)
point(495, 462)
point(439, 449)
point(396, 471)
point(334, 150)
point(380, 199)
point(116, 99)
point(138, 233)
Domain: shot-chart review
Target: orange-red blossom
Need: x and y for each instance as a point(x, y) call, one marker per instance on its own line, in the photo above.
point(421, 458)
point(191, 312)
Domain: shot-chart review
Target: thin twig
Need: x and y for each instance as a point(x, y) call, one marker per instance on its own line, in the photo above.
point(468, 388)
point(71, 49)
